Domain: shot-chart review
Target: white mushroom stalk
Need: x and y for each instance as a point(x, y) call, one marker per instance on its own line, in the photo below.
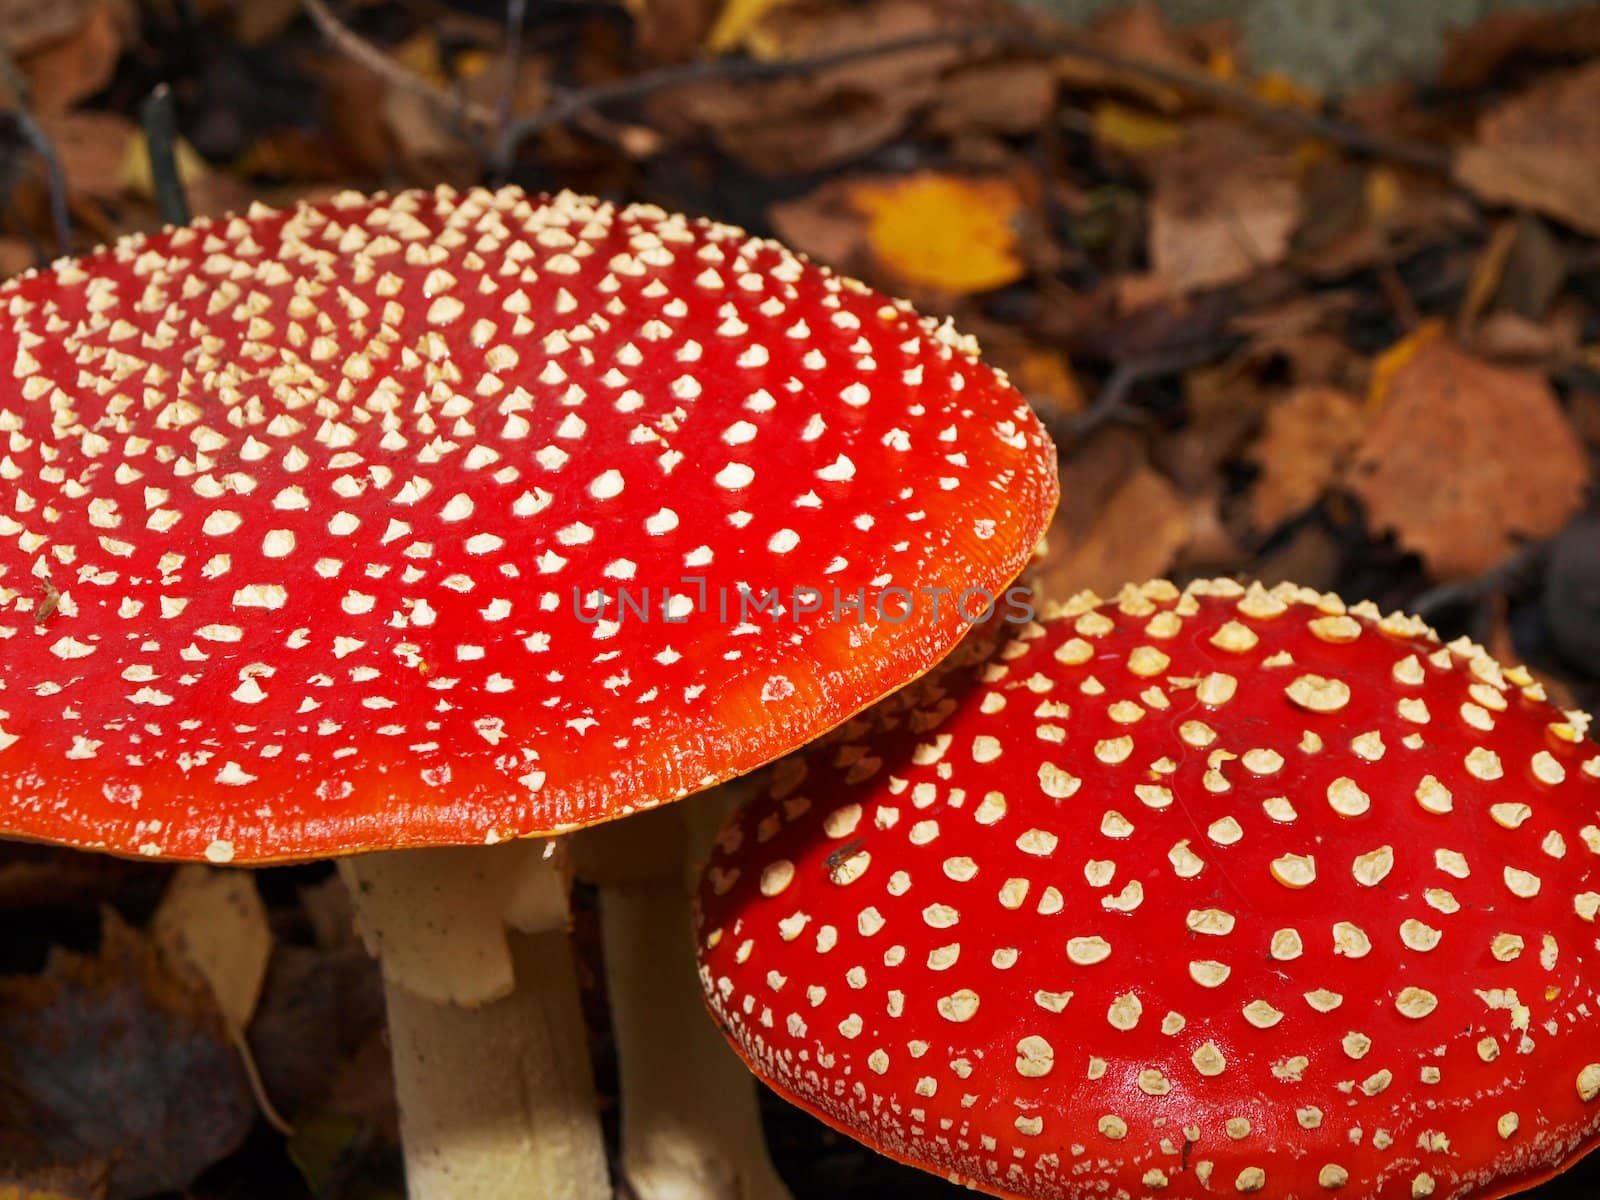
point(491, 1062)
point(691, 1128)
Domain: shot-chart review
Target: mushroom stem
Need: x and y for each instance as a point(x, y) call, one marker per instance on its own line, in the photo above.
point(691, 1129)
point(490, 1052)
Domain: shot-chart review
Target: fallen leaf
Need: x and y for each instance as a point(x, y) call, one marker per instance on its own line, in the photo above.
point(318, 1008)
point(943, 233)
point(1535, 271)
point(1464, 459)
point(1130, 131)
point(1541, 150)
point(1509, 337)
point(111, 1058)
point(1137, 534)
point(1279, 90)
point(1223, 406)
point(16, 256)
point(735, 20)
point(1487, 273)
point(814, 121)
point(1397, 357)
point(1006, 98)
point(826, 226)
point(93, 148)
point(83, 1181)
point(671, 30)
point(25, 25)
point(1223, 209)
point(1301, 451)
point(212, 928)
point(70, 70)
point(1479, 54)
point(1140, 32)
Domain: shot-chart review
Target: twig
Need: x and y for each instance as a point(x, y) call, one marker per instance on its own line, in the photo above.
point(375, 60)
point(159, 117)
point(39, 142)
point(637, 87)
point(516, 17)
point(1111, 403)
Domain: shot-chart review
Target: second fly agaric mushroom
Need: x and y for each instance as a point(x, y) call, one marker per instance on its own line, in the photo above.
point(1217, 892)
point(314, 530)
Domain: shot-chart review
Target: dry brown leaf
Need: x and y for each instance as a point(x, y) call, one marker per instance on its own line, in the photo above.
point(1223, 407)
point(25, 25)
point(1301, 451)
point(1224, 207)
point(93, 148)
point(212, 928)
point(815, 121)
point(1541, 150)
point(1476, 56)
point(1465, 459)
point(16, 256)
point(825, 226)
point(111, 1058)
point(1138, 534)
point(1511, 338)
point(65, 72)
point(1008, 98)
point(1137, 31)
point(318, 1007)
point(672, 30)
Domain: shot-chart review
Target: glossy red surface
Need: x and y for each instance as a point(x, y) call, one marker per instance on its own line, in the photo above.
point(1159, 901)
point(305, 518)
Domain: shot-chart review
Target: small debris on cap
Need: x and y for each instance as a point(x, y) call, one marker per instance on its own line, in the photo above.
point(1388, 993)
point(315, 525)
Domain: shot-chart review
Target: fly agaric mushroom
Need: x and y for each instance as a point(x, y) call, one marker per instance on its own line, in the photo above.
point(314, 527)
point(1211, 893)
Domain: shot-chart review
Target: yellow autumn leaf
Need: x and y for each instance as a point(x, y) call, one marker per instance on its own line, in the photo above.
point(1278, 89)
point(1384, 195)
point(736, 22)
point(1223, 64)
point(137, 180)
point(943, 232)
point(1132, 131)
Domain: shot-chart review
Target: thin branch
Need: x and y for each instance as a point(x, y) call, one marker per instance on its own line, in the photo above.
point(1111, 404)
point(39, 141)
point(516, 16)
point(356, 47)
point(1024, 40)
point(159, 117)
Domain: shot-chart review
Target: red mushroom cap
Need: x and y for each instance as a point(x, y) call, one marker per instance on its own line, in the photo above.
point(1224, 893)
point(307, 519)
